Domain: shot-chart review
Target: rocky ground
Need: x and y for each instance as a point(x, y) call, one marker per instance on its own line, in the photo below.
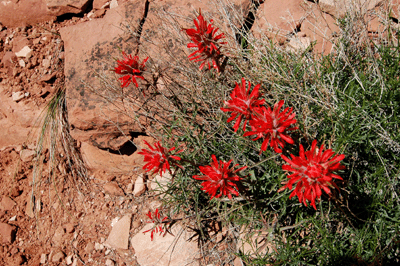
point(50, 218)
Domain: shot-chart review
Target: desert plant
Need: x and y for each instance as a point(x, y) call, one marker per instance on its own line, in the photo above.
point(347, 101)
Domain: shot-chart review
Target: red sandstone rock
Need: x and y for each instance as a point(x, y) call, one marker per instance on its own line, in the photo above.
point(7, 233)
point(58, 236)
point(112, 188)
point(20, 120)
point(61, 7)
point(69, 228)
point(24, 12)
point(97, 159)
point(282, 19)
point(19, 43)
point(7, 204)
point(86, 45)
point(338, 8)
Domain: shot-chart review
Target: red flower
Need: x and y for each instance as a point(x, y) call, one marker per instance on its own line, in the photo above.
point(219, 177)
point(312, 171)
point(272, 125)
point(158, 159)
point(204, 39)
point(130, 68)
point(243, 103)
point(159, 223)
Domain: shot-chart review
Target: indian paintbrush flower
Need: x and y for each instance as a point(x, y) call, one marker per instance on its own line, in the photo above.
point(130, 68)
point(312, 173)
point(159, 225)
point(272, 125)
point(219, 178)
point(205, 40)
point(243, 103)
point(158, 158)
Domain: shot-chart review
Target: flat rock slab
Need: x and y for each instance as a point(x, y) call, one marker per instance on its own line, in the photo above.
point(90, 52)
point(90, 48)
point(168, 250)
point(119, 235)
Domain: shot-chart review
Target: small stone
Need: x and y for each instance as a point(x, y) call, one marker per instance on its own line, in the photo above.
point(140, 187)
point(15, 192)
point(13, 219)
point(90, 14)
point(18, 259)
point(129, 188)
point(48, 77)
point(108, 251)
point(7, 204)
point(89, 247)
point(161, 182)
point(17, 96)
point(14, 250)
point(112, 188)
point(43, 258)
point(58, 236)
point(24, 52)
point(299, 44)
point(46, 63)
point(7, 233)
point(38, 205)
point(27, 155)
point(109, 262)
point(29, 206)
point(119, 234)
point(69, 228)
point(21, 63)
point(238, 262)
point(26, 94)
point(98, 246)
point(68, 260)
point(58, 256)
point(136, 224)
point(113, 4)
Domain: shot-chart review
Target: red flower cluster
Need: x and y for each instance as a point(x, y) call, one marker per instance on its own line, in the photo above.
point(243, 104)
point(130, 68)
point(159, 223)
point(158, 159)
point(218, 176)
point(204, 39)
point(272, 125)
point(312, 171)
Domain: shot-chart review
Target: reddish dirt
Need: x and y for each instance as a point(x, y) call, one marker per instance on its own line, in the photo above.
point(70, 218)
